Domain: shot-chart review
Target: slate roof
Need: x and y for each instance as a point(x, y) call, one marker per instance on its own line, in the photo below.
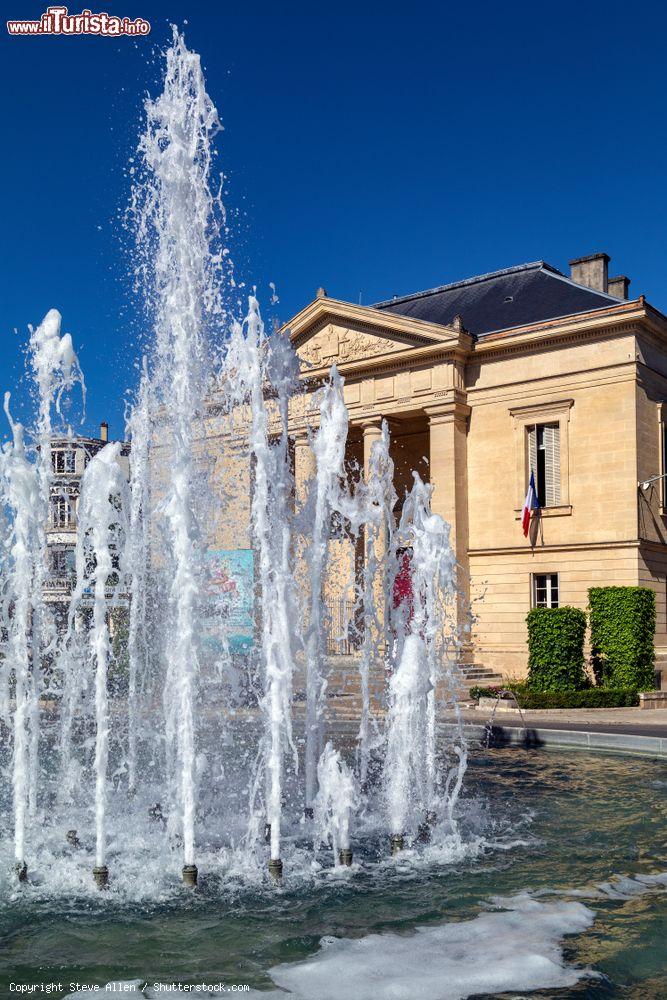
point(516, 296)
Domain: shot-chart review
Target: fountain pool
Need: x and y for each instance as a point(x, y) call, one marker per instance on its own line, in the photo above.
point(551, 833)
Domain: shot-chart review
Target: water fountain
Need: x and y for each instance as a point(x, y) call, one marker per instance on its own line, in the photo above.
point(141, 551)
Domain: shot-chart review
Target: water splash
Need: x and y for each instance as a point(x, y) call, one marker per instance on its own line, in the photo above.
point(99, 557)
point(420, 665)
point(329, 449)
point(258, 368)
point(137, 561)
point(21, 497)
point(380, 499)
point(177, 226)
point(336, 801)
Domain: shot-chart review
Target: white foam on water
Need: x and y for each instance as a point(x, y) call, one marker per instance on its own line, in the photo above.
point(519, 948)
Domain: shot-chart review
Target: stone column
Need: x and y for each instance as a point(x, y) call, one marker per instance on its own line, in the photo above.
point(448, 430)
point(304, 471)
point(372, 432)
point(304, 465)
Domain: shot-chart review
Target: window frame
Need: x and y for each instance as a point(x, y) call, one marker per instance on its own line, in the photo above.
point(525, 417)
point(59, 501)
point(68, 458)
point(548, 576)
point(662, 455)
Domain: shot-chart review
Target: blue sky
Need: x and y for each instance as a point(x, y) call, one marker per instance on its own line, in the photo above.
point(371, 149)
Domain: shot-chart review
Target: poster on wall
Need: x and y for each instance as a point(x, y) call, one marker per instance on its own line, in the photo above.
point(229, 600)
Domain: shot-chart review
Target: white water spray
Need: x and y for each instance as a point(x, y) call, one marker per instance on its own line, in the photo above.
point(418, 624)
point(380, 499)
point(138, 555)
point(176, 226)
point(329, 449)
point(55, 370)
point(254, 365)
point(99, 557)
point(336, 801)
point(21, 497)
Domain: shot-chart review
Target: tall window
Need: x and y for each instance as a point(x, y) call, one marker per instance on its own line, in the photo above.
point(63, 460)
point(544, 461)
point(61, 512)
point(545, 590)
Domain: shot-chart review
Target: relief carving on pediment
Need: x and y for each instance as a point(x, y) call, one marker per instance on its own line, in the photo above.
point(334, 344)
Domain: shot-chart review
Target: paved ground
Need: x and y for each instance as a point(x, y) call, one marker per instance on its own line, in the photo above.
point(628, 721)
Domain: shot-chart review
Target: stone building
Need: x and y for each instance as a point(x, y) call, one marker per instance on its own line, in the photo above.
point(482, 379)
point(69, 459)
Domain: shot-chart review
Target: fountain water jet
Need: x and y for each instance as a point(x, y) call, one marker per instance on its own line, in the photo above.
point(336, 801)
point(138, 555)
point(21, 496)
point(176, 226)
point(99, 554)
point(380, 499)
point(419, 659)
point(55, 369)
point(257, 366)
point(329, 449)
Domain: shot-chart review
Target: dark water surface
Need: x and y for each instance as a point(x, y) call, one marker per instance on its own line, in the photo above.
point(535, 820)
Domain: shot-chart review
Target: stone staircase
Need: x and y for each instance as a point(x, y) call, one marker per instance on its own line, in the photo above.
point(343, 693)
point(475, 673)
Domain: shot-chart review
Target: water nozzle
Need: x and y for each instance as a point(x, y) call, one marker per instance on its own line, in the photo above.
point(101, 876)
point(21, 870)
point(397, 843)
point(190, 875)
point(276, 869)
point(345, 856)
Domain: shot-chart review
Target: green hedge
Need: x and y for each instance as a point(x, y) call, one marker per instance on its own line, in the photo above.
point(556, 649)
point(590, 698)
point(622, 632)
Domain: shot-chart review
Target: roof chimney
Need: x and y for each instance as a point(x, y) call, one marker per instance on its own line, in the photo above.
point(104, 431)
point(619, 286)
point(591, 271)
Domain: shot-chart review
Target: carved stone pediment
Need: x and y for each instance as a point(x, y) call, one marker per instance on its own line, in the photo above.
point(329, 331)
point(335, 344)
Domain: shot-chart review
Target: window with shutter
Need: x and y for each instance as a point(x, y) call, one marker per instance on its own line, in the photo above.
point(544, 462)
point(552, 465)
point(532, 453)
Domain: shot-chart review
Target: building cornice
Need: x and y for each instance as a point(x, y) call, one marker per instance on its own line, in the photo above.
point(320, 311)
point(617, 320)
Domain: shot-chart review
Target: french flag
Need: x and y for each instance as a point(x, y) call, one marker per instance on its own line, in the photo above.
point(530, 504)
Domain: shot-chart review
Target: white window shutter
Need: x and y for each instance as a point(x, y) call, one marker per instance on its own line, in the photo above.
point(552, 464)
point(532, 453)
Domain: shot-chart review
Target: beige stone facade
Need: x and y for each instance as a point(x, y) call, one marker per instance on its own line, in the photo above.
point(461, 409)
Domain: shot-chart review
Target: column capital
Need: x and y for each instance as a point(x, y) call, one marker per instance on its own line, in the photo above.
point(300, 436)
point(448, 410)
point(370, 425)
